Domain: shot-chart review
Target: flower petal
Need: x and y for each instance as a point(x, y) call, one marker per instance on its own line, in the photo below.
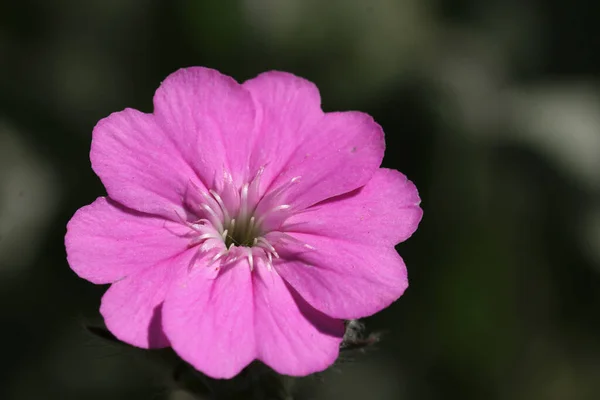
point(292, 337)
point(139, 165)
point(211, 118)
point(340, 155)
point(333, 153)
point(287, 107)
point(343, 279)
point(209, 320)
point(132, 307)
point(106, 242)
point(383, 212)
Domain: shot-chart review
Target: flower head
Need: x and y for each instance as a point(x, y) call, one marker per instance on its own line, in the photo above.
point(242, 223)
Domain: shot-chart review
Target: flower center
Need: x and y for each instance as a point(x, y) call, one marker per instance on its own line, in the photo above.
point(242, 232)
point(230, 223)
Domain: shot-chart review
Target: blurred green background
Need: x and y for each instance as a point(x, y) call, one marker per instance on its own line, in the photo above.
point(491, 107)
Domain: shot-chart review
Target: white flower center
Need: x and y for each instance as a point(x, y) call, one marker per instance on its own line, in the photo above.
point(230, 223)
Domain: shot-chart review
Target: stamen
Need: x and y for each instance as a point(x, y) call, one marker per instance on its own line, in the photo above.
point(264, 215)
point(221, 204)
point(250, 258)
point(281, 189)
point(255, 186)
point(201, 238)
point(211, 202)
point(290, 239)
point(262, 242)
point(216, 221)
point(250, 227)
point(217, 257)
point(244, 201)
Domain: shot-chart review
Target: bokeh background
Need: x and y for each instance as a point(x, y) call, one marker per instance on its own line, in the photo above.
point(491, 107)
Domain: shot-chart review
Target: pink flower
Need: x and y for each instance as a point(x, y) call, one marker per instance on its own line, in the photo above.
point(242, 223)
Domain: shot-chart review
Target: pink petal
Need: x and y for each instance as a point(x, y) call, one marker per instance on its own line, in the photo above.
point(383, 212)
point(340, 155)
point(132, 307)
point(211, 118)
point(333, 153)
point(344, 279)
point(139, 164)
point(210, 321)
point(287, 106)
point(106, 242)
point(292, 337)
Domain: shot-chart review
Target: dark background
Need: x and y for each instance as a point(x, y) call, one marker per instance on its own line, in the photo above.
point(491, 107)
